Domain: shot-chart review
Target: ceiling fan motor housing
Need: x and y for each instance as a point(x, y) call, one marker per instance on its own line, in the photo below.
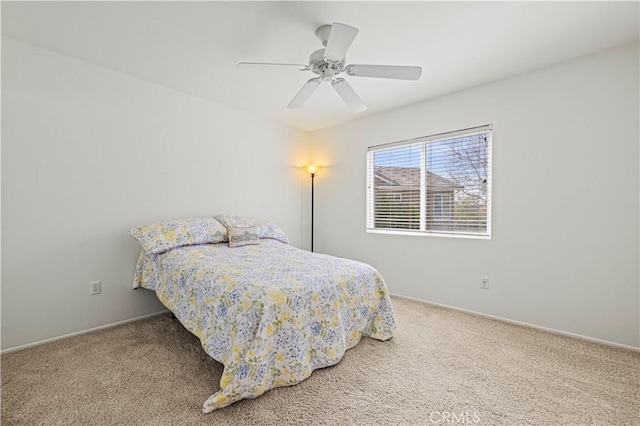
point(323, 68)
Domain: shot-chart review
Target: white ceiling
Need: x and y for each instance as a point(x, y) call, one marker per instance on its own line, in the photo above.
point(194, 46)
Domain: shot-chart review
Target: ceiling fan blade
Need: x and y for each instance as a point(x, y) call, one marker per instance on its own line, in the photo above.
point(304, 93)
point(340, 40)
point(384, 71)
point(270, 66)
point(348, 95)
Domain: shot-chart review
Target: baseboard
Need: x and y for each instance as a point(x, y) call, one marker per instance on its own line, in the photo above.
point(454, 308)
point(524, 324)
point(78, 333)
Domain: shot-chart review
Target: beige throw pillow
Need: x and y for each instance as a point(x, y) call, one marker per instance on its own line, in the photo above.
point(243, 236)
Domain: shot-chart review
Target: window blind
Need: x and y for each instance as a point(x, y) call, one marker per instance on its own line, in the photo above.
point(439, 184)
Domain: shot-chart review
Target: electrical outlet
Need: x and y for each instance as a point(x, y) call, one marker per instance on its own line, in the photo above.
point(484, 283)
point(95, 287)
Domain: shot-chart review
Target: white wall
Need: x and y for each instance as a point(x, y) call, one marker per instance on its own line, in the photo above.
point(564, 249)
point(89, 153)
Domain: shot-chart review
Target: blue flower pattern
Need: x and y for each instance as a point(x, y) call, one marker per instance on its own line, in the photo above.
point(271, 313)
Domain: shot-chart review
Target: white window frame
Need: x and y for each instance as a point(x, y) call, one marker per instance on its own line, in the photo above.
point(423, 193)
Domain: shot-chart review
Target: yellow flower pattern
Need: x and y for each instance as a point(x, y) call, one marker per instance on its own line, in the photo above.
point(271, 313)
point(168, 234)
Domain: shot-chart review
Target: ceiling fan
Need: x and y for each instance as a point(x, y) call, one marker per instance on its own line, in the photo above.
point(330, 62)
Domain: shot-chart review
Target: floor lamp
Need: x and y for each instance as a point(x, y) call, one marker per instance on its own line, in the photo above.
point(313, 170)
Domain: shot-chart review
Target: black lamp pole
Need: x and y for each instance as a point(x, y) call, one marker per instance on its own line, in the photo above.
point(313, 175)
point(312, 170)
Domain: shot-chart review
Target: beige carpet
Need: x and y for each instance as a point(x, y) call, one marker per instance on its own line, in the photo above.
point(442, 367)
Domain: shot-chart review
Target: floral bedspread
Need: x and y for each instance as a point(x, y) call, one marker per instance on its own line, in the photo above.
point(270, 313)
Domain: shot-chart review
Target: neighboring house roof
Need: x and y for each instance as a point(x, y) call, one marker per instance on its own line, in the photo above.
point(406, 177)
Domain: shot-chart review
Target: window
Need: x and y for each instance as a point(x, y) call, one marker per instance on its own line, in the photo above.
point(437, 184)
point(442, 207)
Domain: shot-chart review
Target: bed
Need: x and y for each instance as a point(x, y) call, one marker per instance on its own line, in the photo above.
point(269, 312)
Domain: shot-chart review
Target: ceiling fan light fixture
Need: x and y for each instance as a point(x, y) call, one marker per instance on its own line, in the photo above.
point(328, 74)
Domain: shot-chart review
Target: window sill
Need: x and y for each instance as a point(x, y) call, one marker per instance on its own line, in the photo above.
point(429, 234)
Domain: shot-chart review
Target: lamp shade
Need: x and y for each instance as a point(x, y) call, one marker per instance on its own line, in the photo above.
point(312, 169)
